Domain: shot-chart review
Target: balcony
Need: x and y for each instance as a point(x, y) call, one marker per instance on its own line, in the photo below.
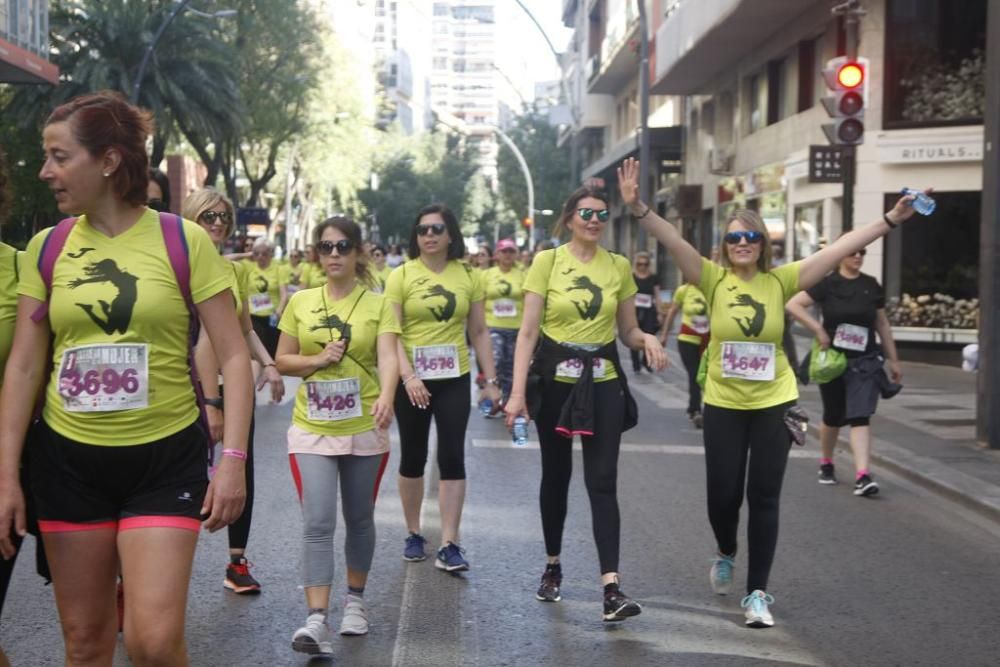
point(24, 43)
point(699, 39)
point(617, 63)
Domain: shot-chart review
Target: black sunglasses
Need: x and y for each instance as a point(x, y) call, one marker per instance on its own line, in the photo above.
point(209, 217)
point(734, 238)
point(343, 247)
point(438, 228)
point(587, 213)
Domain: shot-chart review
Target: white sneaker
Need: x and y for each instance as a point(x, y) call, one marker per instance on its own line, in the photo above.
point(314, 638)
point(757, 614)
point(721, 575)
point(355, 620)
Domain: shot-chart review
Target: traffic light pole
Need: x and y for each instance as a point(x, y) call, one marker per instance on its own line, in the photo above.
point(988, 380)
point(848, 163)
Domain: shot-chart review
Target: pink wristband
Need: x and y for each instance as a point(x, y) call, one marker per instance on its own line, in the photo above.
point(235, 453)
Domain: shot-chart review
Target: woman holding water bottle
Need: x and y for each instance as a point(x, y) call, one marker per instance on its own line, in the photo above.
point(504, 307)
point(576, 295)
point(341, 339)
point(750, 385)
point(435, 296)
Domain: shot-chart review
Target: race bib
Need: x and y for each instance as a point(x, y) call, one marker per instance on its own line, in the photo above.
point(851, 337)
point(573, 368)
point(260, 303)
point(748, 361)
point(504, 308)
point(333, 400)
point(292, 289)
point(700, 324)
point(105, 378)
point(643, 300)
point(436, 362)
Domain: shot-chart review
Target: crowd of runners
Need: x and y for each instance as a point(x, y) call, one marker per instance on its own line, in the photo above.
point(144, 345)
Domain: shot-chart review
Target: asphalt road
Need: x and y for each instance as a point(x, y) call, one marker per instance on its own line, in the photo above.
point(902, 579)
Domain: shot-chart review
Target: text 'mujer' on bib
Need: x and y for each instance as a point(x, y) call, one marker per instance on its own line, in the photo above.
point(643, 300)
point(436, 362)
point(333, 400)
point(105, 377)
point(504, 308)
point(748, 361)
point(851, 337)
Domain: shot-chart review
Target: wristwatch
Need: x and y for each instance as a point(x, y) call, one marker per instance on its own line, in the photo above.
point(214, 402)
point(493, 381)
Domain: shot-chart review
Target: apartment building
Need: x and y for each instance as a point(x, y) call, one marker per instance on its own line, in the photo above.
point(750, 74)
point(24, 43)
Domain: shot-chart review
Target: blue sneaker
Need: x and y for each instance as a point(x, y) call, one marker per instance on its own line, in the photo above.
point(414, 549)
point(450, 558)
point(757, 613)
point(721, 574)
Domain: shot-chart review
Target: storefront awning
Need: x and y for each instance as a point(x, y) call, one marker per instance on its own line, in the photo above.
point(20, 66)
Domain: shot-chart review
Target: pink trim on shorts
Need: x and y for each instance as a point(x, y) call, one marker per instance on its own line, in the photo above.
point(566, 433)
point(181, 522)
point(71, 527)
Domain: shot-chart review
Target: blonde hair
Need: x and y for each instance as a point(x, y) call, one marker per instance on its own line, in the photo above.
point(200, 201)
point(752, 221)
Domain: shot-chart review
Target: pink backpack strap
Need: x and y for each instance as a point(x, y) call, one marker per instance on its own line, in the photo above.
point(52, 247)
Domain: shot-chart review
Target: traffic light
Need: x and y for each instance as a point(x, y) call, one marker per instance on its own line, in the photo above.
point(527, 222)
point(848, 81)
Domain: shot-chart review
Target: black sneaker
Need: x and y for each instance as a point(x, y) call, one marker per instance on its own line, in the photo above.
point(618, 606)
point(826, 474)
point(548, 590)
point(865, 486)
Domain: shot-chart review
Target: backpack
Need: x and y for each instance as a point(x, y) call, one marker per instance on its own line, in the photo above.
point(172, 227)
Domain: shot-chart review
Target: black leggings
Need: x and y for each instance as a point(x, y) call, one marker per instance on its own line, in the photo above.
point(450, 405)
point(734, 439)
point(600, 468)
point(268, 335)
point(691, 357)
point(239, 530)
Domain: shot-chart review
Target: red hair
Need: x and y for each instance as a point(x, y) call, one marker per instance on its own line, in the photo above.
point(105, 121)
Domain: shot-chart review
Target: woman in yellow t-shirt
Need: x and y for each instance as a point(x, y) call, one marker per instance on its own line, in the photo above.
point(504, 307)
point(380, 270)
point(118, 471)
point(692, 339)
point(214, 212)
point(435, 296)
point(750, 385)
point(577, 295)
point(297, 272)
point(267, 282)
point(336, 337)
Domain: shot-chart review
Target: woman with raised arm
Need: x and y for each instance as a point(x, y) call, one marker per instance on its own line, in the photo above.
point(750, 385)
point(577, 296)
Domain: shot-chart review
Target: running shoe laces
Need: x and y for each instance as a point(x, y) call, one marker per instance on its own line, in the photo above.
point(451, 559)
point(414, 549)
point(355, 619)
point(618, 606)
point(238, 578)
point(548, 590)
point(757, 613)
point(721, 575)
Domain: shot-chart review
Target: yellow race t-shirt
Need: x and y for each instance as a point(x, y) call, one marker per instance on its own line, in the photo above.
point(381, 277)
point(317, 276)
point(747, 367)
point(296, 277)
point(120, 370)
point(694, 312)
point(338, 398)
point(9, 261)
point(581, 300)
point(435, 310)
point(504, 297)
point(264, 287)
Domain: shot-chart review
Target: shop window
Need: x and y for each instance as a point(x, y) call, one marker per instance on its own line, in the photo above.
point(756, 92)
point(935, 66)
point(808, 229)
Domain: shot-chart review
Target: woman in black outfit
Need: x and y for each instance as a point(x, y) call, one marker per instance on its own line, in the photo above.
point(647, 304)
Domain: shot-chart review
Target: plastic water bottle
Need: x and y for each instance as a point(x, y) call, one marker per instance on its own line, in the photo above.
point(923, 204)
point(519, 436)
point(486, 407)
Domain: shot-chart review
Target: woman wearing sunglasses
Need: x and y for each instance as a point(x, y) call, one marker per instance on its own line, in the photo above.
point(380, 270)
point(692, 339)
point(214, 212)
point(504, 307)
point(436, 296)
point(750, 384)
point(268, 293)
point(576, 295)
point(341, 339)
point(853, 309)
point(647, 304)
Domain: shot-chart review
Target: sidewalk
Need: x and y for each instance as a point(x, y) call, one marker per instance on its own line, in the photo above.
point(926, 433)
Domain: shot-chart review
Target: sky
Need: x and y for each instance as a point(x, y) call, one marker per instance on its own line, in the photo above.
point(528, 59)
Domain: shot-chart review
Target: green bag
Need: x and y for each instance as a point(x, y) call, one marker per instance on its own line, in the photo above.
point(826, 365)
point(702, 374)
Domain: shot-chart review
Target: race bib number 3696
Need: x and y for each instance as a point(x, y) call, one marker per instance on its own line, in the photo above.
point(104, 378)
point(436, 362)
point(748, 361)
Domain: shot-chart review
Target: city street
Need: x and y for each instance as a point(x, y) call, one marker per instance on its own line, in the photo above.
point(905, 578)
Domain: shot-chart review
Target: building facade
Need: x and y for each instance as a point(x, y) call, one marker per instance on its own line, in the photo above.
point(24, 43)
point(752, 109)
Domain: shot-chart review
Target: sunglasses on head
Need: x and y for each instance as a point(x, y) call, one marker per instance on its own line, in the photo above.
point(861, 252)
point(587, 213)
point(210, 217)
point(437, 229)
point(343, 247)
point(734, 238)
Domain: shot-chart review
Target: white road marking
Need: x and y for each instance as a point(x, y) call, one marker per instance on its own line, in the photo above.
point(695, 450)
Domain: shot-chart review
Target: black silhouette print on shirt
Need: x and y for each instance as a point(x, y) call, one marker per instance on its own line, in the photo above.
point(332, 323)
point(505, 287)
point(751, 325)
point(260, 282)
point(701, 307)
point(588, 309)
point(118, 313)
point(444, 312)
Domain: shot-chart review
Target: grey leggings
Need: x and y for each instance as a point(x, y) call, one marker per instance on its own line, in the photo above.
point(316, 480)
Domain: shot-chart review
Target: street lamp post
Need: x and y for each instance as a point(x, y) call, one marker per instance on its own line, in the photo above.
point(527, 179)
